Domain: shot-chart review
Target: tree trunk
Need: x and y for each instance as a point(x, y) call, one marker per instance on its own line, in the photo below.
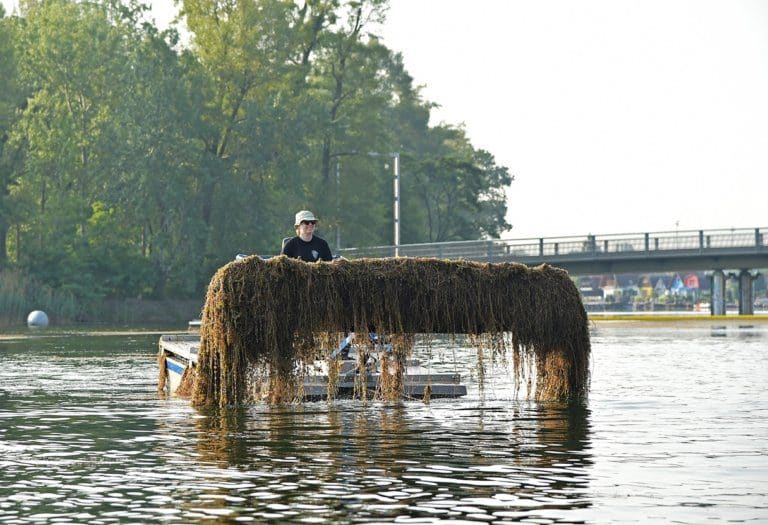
point(3, 244)
point(326, 163)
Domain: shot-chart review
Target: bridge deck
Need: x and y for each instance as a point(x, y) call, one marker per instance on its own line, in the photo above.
point(745, 248)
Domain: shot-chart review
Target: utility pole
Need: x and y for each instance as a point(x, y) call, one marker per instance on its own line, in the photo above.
point(396, 161)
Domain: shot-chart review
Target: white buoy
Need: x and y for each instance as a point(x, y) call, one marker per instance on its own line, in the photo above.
point(37, 319)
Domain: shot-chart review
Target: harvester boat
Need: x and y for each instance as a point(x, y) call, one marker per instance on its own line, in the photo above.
point(180, 352)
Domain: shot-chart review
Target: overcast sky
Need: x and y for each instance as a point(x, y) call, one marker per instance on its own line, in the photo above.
point(614, 116)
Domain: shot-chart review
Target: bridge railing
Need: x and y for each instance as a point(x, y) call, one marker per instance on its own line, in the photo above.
point(579, 246)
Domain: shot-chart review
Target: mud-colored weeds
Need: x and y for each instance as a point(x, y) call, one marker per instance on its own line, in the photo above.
point(266, 321)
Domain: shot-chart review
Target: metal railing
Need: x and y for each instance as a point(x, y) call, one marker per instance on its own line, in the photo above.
point(583, 246)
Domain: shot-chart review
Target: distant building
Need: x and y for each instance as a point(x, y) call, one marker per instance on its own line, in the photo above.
point(678, 287)
point(646, 287)
point(610, 287)
point(660, 288)
point(624, 288)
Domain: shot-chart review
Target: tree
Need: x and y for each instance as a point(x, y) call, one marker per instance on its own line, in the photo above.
point(460, 189)
point(66, 126)
point(132, 167)
point(245, 49)
point(157, 169)
point(12, 102)
point(107, 140)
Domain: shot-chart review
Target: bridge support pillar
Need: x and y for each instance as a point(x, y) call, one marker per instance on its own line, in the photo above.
point(746, 299)
point(717, 301)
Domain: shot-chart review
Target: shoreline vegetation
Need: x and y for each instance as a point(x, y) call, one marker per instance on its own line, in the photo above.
point(21, 294)
point(134, 165)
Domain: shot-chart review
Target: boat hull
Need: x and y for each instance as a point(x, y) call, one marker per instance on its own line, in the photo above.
point(180, 352)
point(174, 369)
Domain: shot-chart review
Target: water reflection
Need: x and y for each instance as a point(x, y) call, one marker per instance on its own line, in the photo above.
point(454, 460)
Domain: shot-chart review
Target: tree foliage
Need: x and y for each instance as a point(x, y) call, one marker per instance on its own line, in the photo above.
point(133, 166)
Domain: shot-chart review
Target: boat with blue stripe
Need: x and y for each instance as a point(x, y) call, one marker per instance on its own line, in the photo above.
point(179, 352)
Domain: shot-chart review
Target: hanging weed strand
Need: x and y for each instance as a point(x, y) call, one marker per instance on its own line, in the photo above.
point(278, 316)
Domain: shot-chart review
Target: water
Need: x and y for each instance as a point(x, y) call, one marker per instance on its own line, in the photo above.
point(675, 431)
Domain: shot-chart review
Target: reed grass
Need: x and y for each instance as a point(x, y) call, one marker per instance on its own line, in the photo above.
point(20, 294)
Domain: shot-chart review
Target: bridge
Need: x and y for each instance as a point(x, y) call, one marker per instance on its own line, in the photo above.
point(735, 249)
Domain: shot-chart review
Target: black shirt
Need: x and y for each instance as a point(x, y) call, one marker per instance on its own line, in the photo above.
point(314, 250)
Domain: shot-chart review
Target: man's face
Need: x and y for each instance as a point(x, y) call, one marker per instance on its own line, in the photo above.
point(306, 229)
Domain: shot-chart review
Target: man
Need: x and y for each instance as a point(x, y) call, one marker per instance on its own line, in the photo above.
point(306, 245)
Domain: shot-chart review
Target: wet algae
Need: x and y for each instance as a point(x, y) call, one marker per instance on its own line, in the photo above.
point(266, 321)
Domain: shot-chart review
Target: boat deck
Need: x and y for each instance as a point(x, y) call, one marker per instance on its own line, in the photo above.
point(182, 350)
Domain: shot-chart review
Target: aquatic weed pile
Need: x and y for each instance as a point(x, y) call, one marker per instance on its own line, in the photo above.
point(266, 321)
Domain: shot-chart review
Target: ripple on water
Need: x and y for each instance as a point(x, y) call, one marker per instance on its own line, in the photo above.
point(674, 431)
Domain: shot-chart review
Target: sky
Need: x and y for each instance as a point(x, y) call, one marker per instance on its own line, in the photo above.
point(614, 116)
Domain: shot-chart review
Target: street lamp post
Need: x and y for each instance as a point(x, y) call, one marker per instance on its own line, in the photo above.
point(396, 161)
point(338, 205)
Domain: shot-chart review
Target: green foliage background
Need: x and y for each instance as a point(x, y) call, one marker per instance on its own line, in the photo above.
point(132, 166)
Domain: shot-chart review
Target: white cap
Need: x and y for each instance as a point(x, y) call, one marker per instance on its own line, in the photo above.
point(304, 215)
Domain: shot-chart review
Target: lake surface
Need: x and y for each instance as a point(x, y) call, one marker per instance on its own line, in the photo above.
point(675, 430)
